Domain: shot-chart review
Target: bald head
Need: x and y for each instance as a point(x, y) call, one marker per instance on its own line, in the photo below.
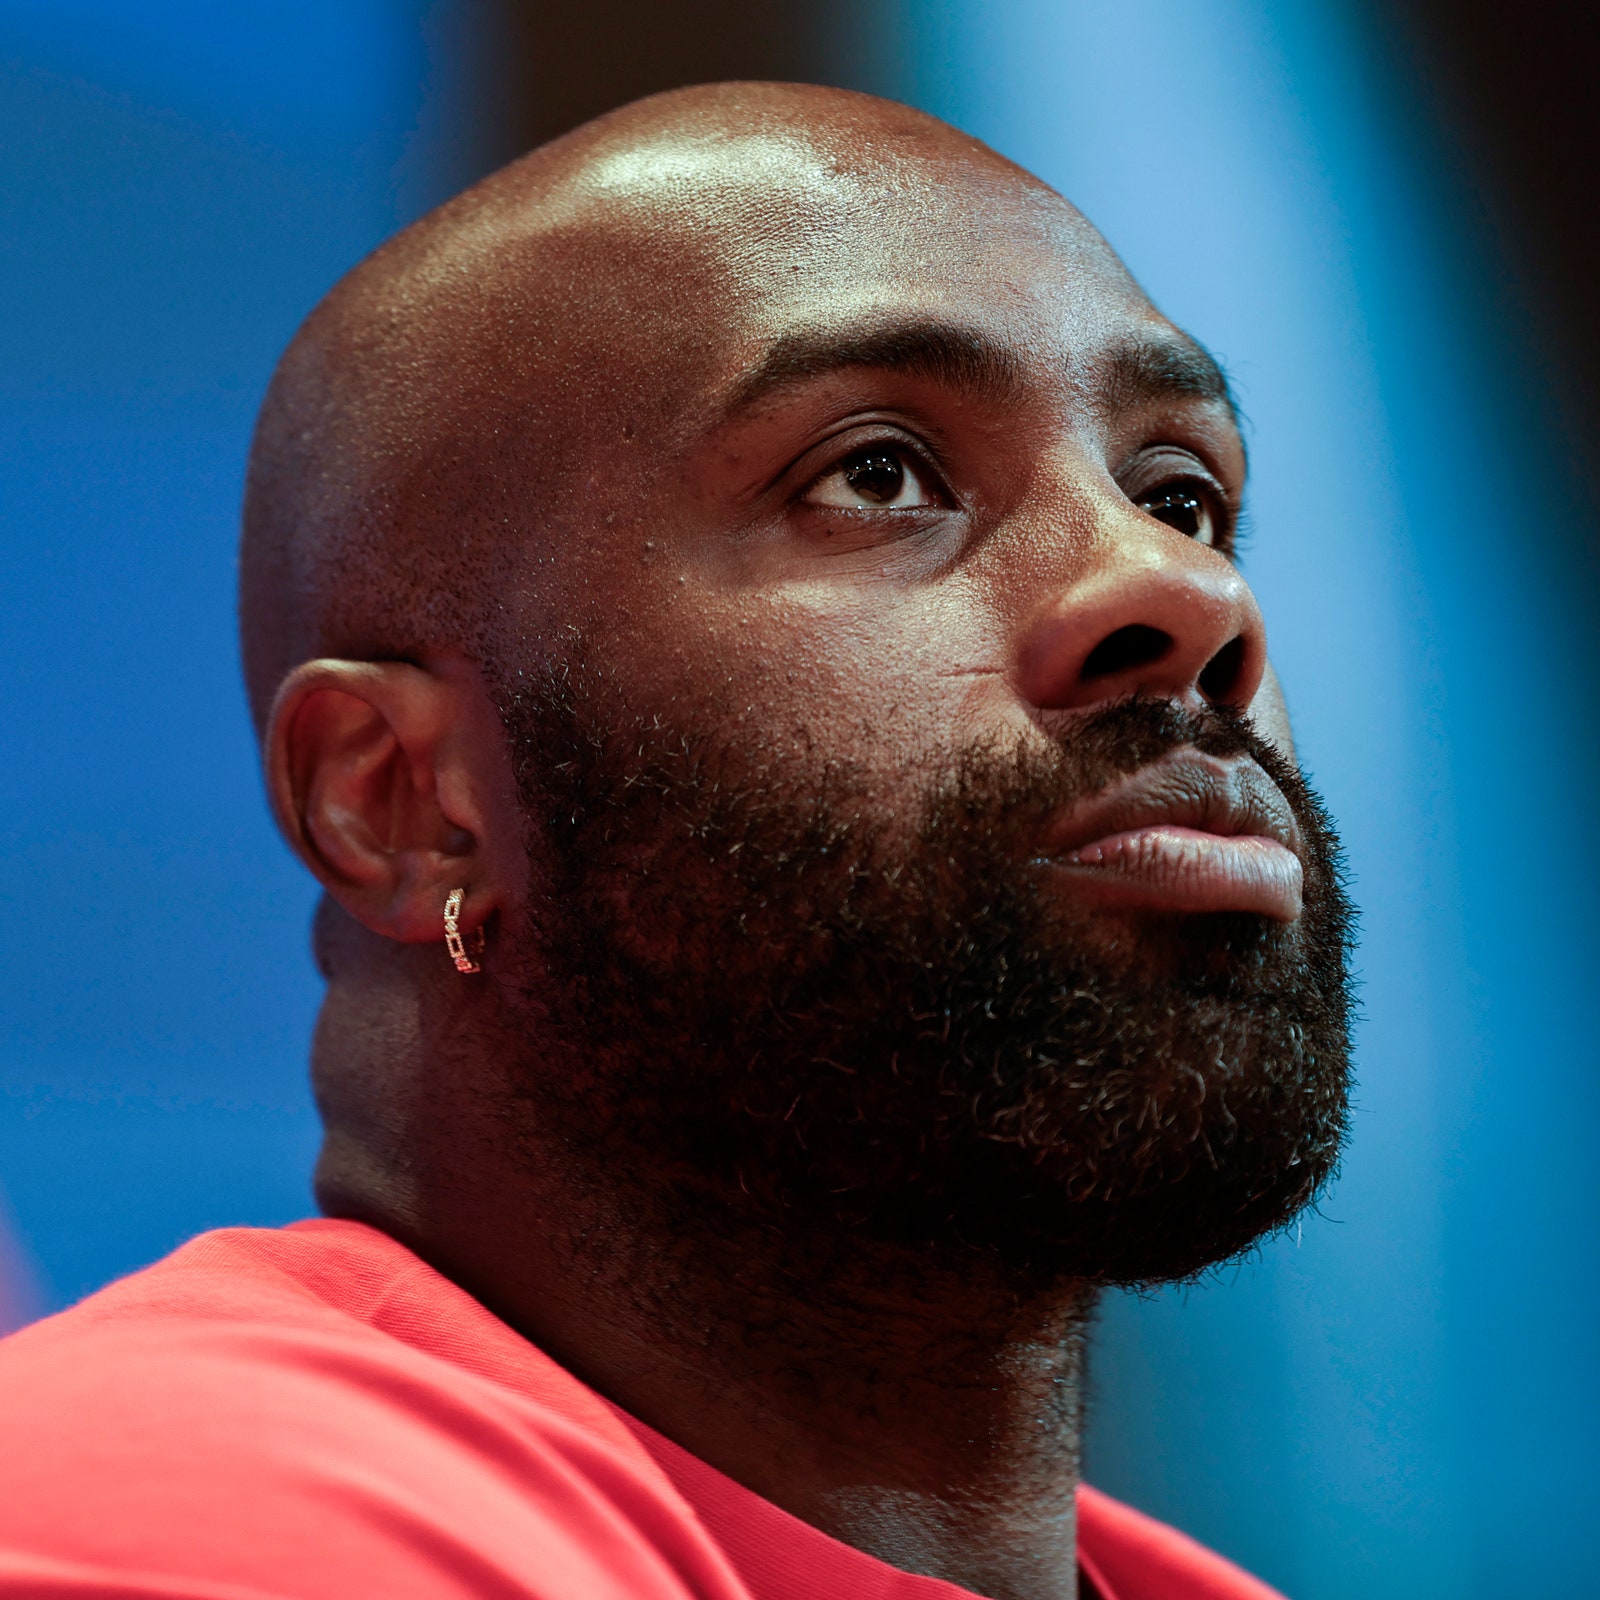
point(742, 556)
point(743, 608)
point(470, 404)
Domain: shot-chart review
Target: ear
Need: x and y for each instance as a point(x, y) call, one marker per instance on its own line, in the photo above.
point(389, 781)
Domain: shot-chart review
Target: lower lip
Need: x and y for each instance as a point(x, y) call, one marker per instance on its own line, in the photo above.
point(1184, 870)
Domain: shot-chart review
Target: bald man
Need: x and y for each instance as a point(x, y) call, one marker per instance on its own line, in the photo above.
point(742, 616)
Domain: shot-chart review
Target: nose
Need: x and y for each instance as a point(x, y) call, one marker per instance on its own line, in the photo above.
point(1156, 614)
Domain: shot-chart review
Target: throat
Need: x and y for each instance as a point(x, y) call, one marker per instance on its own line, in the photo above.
point(921, 1404)
point(926, 1411)
point(920, 1415)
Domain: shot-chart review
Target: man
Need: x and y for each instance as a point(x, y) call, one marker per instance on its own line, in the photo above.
point(741, 612)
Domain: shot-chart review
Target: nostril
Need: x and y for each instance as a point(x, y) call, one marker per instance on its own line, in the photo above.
point(1126, 650)
point(1219, 682)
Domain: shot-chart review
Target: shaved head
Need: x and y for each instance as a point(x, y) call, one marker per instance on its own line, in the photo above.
point(743, 613)
point(427, 448)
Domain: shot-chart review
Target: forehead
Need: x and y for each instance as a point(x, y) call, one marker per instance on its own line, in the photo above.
point(739, 247)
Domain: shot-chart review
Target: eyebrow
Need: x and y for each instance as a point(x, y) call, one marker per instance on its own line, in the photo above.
point(947, 353)
point(1161, 367)
point(1157, 366)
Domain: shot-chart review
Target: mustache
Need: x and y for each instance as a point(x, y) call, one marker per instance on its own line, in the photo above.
point(1021, 785)
point(1119, 739)
point(633, 799)
point(597, 778)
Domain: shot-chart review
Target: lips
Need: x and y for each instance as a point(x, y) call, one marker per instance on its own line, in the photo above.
point(1187, 834)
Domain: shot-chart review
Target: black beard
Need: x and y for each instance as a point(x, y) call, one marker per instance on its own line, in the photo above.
point(770, 1005)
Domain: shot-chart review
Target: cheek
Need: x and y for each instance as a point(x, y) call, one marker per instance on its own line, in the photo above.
point(1270, 714)
point(817, 674)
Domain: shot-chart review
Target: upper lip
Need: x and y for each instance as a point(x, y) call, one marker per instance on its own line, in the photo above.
point(1186, 789)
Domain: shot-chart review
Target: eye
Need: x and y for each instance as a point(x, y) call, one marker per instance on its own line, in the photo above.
point(1188, 508)
point(876, 478)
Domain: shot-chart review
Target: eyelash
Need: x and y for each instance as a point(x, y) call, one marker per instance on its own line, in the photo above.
point(1227, 518)
point(917, 457)
point(1231, 521)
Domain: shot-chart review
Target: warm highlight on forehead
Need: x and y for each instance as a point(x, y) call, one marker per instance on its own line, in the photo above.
point(406, 482)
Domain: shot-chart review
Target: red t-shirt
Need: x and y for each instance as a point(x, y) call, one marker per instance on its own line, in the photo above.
point(312, 1413)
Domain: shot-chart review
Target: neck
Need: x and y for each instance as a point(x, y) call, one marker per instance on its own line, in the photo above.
point(924, 1411)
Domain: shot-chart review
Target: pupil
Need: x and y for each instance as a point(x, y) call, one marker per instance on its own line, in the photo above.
point(875, 475)
point(1181, 509)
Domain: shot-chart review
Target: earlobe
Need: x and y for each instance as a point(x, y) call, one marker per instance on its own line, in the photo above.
point(364, 767)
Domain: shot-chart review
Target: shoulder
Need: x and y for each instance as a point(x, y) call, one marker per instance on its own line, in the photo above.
point(224, 1425)
point(1134, 1557)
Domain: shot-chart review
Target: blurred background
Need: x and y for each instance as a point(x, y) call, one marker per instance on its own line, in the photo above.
point(1382, 218)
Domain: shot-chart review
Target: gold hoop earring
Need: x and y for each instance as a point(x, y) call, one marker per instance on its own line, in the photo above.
point(453, 941)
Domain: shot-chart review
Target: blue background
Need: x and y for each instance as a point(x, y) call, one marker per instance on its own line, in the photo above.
point(1399, 1399)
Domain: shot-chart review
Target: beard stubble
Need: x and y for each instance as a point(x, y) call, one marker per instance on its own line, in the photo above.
point(762, 1001)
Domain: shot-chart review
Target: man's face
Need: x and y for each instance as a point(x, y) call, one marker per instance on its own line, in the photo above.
point(920, 838)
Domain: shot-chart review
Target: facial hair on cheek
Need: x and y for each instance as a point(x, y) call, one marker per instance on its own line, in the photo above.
point(784, 1009)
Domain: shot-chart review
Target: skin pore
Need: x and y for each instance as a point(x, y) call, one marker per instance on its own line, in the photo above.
point(792, 443)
